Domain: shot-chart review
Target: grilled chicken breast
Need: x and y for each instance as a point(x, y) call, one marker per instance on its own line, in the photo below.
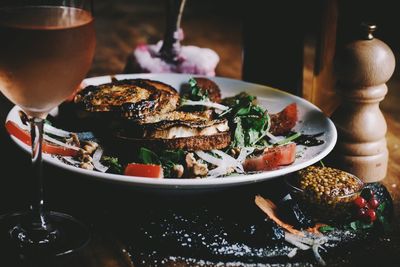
point(132, 99)
point(149, 115)
point(176, 116)
point(178, 130)
point(181, 128)
point(193, 143)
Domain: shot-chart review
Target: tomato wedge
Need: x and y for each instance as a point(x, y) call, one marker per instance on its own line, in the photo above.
point(272, 158)
point(24, 136)
point(144, 170)
point(284, 121)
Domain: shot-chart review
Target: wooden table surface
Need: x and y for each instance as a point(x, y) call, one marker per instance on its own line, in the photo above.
point(119, 28)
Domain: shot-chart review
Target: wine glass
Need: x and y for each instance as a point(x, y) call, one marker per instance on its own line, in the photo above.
point(46, 49)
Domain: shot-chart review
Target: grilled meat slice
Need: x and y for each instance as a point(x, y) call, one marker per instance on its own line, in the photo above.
point(177, 130)
point(130, 98)
point(180, 128)
point(193, 143)
point(175, 116)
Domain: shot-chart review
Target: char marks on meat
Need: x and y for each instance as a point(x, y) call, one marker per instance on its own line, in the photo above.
point(132, 98)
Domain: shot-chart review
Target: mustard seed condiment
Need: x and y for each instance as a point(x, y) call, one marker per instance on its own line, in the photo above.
point(328, 181)
point(328, 193)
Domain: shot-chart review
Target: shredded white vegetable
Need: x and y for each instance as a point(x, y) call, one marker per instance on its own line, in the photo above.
point(204, 103)
point(231, 161)
point(244, 152)
point(96, 160)
point(70, 160)
point(274, 139)
point(225, 164)
point(55, 131)
point(292, 253)
point(210, 159)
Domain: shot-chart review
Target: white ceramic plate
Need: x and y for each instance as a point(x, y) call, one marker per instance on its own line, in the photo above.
point(311, 121)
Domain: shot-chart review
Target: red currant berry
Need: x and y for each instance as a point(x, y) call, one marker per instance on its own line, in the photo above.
point(360, 202)
point(372, 215)
point(373, 203)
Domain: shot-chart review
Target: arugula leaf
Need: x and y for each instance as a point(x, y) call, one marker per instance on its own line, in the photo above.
point(147, 156)
point(172, 155)
point(250, 121)
point(167, 159)
point(239, 134)
point(113, 164)
point(253, 135)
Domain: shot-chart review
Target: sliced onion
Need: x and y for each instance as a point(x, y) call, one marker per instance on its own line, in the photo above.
point(231, 160)
point(292, 253)
point(219, 171)
point(244, 152)
point(273, 139)
point(224, 164)
point(55, 131)
point(96, 160)
point(57, 142)
point(225, 156)
point(71, 161)
point(210, 159)
point(204, 103)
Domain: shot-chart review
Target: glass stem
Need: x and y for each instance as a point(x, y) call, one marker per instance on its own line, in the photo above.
point(36, 189)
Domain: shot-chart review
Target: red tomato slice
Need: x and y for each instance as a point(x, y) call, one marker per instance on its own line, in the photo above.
point(24, 136)
point(272, 158)
point(13, 129)
point(58, 150)
point(285, 120)
point(144, 170)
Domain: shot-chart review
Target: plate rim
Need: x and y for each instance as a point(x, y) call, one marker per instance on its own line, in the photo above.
point(179, 183)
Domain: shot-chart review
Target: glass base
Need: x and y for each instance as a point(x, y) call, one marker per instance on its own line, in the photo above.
point(63, 235)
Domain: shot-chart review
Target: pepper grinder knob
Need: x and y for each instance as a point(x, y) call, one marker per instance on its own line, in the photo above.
point(363, 67)
point(368, 30)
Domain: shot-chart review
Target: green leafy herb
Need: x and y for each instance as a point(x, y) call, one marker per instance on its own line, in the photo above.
point(147, 156)
point(167, 159)
point(239, 134)
point(250, 121)
point(326, 229)
point(196, 93)
point(113, 164)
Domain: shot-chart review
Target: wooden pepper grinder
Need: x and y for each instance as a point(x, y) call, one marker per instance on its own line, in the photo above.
point(362, 67)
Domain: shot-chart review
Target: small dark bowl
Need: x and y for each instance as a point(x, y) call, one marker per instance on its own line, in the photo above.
point(328, 209)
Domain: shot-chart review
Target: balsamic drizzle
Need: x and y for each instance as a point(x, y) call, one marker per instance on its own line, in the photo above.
point(308, 139)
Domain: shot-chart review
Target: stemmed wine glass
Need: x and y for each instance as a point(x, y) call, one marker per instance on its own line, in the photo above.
point(46, 49)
